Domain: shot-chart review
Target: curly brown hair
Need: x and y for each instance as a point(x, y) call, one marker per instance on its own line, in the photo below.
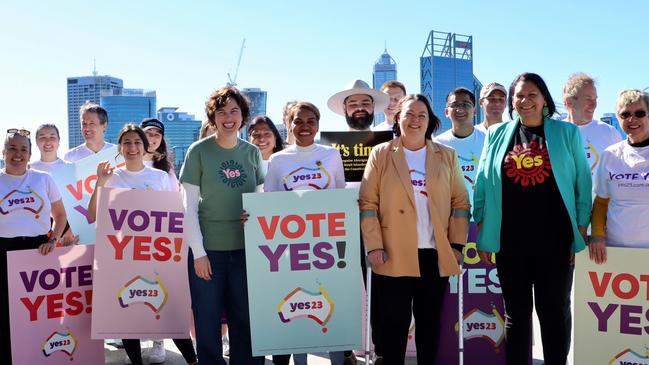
point(220, 97)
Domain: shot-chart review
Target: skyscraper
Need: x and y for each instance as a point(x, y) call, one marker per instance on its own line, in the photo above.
point(257, 99)
point(385, 69)
point(80, 90)
point(181, 130)
point(445, 64)
point(126, 106)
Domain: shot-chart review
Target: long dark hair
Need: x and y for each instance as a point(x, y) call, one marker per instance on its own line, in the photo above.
point(133, 128)
point(540, 84)
point(262, 119)
point(161, 160)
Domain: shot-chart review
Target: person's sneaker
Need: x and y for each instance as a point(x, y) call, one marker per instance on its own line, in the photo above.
point(158, 353)
point(350, 360)
point(226, 345)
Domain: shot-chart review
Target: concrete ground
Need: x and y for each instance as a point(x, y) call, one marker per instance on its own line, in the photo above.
point(115, 356)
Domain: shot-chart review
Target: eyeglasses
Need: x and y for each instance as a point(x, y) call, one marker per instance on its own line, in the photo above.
point(22, 132)
point(638, 114)
point(462, 105)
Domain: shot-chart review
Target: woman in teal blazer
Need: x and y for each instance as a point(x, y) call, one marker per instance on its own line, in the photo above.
point(532, 205)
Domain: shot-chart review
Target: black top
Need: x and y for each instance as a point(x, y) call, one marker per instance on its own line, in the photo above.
point(535, 221)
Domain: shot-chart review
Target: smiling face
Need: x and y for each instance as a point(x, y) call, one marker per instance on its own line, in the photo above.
point(228, 119)
point(395, 94)
point(16, 153)
point(359, 111)
point(494, 105)
point(131, 147)
point(262, 137)
point(154, 136)
point(460, 109)
point(637, 128)
point(47, 141)
point(413, 122)
point(304, 127)
point(582, 106)
point(528, 101)
point(91, 127)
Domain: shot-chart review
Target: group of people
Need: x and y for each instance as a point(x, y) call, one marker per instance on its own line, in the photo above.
point(526, 183)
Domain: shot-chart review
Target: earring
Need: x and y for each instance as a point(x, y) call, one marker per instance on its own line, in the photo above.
point(545, 111)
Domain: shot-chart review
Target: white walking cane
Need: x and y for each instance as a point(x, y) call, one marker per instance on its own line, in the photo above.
point(460, 310)
point(368, 310)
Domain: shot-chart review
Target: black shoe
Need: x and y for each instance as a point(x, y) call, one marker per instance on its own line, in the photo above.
point(350, 360)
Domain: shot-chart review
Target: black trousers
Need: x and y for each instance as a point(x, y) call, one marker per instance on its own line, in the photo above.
point(550, 277)
point(10, 244)
point(396, 298)
point(134, 350)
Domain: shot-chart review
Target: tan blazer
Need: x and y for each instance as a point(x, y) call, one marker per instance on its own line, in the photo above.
point(389, 215)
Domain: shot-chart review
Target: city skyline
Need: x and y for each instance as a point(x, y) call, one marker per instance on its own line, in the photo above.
point(298, 51)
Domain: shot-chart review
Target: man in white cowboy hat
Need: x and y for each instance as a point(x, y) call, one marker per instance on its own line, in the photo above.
point(358, 102)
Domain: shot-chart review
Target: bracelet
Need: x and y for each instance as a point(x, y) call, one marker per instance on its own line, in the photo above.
point(52, 240)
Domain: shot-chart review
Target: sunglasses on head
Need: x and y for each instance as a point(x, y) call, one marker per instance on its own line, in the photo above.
point(22, 132)
point(638, 114)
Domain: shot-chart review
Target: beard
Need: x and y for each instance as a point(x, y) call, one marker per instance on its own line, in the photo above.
point(359, 123)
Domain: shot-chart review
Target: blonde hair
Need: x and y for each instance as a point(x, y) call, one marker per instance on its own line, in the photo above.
point(630, 96)
point(575, 82)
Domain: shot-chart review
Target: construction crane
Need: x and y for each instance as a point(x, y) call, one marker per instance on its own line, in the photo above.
point(233, 81)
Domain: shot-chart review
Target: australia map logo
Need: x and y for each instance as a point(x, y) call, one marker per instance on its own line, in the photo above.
point(18, 200)
point(151, 293)
point(630, 357)
point(60, 342)
point(304, 304)
point(232, 174)
point(486, 326)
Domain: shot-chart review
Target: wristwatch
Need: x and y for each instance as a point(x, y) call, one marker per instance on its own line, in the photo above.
point(52, 240)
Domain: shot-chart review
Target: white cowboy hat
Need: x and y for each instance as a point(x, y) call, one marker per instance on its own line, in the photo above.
point(335, 103)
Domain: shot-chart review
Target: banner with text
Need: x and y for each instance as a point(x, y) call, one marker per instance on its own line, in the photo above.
point(50, 305)
point(76, 182)
point(141, 288)
point(354, 148)
point(484, 313)
point(612, 308)
point(303, 265)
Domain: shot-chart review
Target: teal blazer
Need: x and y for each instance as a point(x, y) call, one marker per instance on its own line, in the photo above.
point(571, 172)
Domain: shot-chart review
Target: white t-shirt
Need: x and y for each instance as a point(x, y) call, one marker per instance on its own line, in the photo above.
point(47, 166)
point(383, 126)
point(596, 136)
point(172, 174)
point(417, 168)
point(264, 166)
point(482, 128)
point(82, 151)
point(468, 151)
point(623, 177)
point(314, 167)
point(26, 203)
point(145, 179)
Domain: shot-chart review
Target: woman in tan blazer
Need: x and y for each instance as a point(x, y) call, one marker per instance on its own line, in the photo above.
point(414, 221)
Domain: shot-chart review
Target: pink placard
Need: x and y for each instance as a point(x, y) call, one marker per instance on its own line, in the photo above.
point(140, 273)
point(50, 301)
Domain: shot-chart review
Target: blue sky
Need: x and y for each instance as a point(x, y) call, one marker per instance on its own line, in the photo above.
point(302, 49)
